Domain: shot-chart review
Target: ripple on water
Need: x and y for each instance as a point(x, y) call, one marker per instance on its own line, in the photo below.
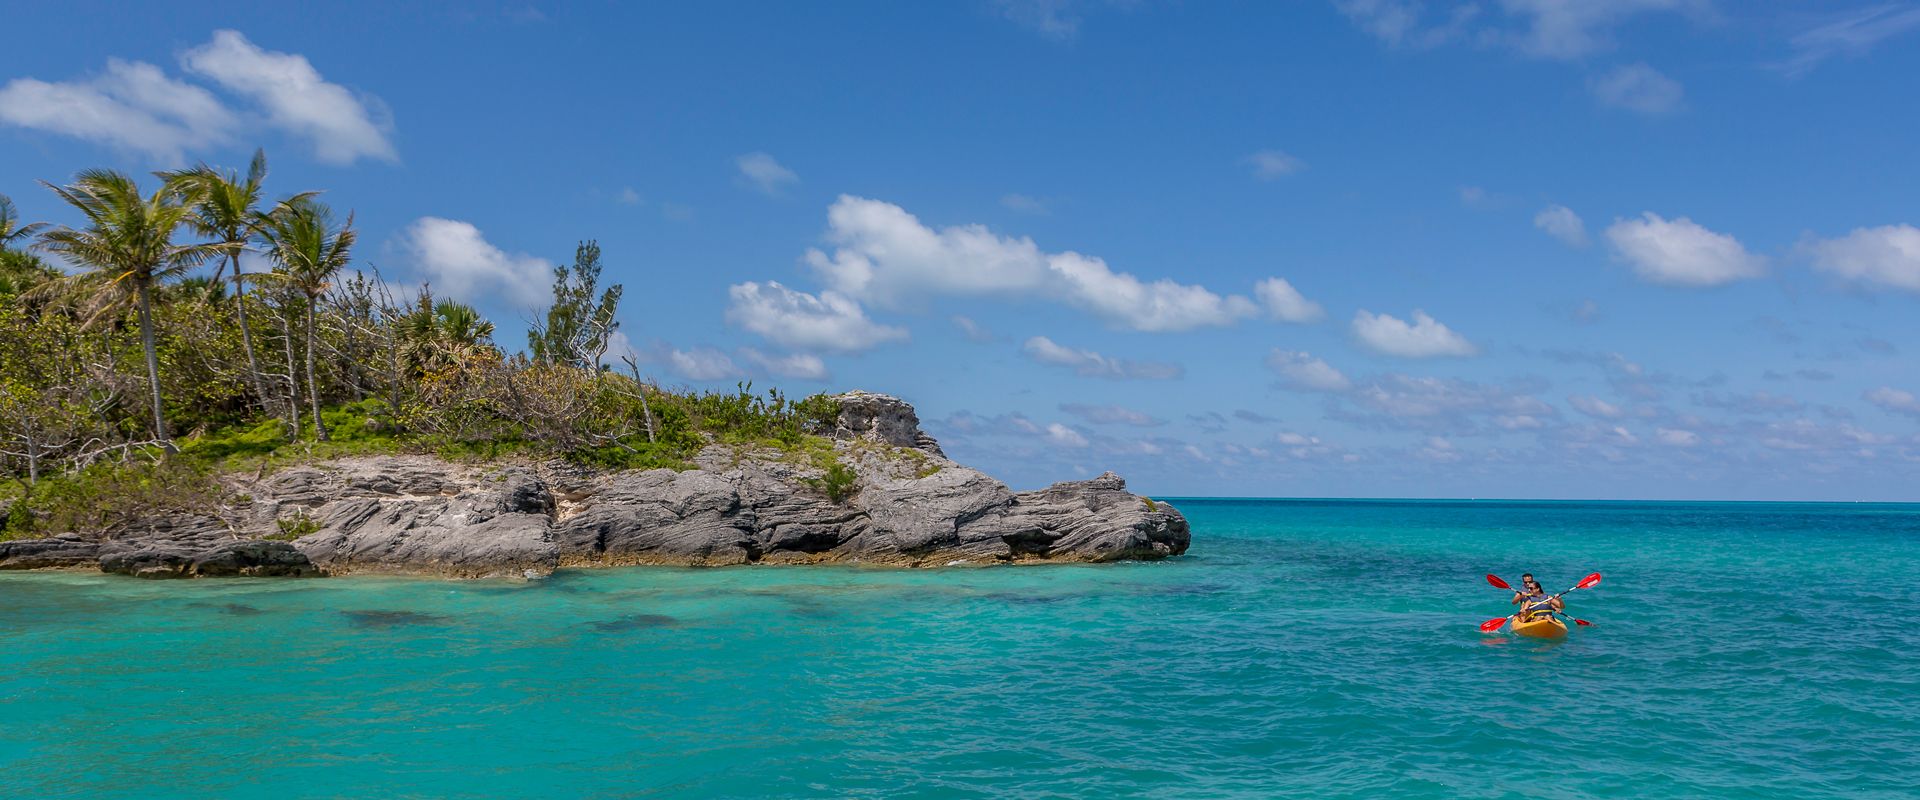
point(1306, 649)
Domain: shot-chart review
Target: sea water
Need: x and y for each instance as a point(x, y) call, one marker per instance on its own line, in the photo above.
point(1304, 648)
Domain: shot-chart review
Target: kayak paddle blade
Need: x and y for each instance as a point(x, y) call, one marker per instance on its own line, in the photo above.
point(1495, 580)
point(1582, 623)
point(1588, 582)
point(1493, 625)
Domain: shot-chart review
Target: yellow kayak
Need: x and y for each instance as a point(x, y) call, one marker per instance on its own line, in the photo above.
point(1541, 627)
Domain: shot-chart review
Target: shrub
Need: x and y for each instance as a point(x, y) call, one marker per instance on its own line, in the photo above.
point(839, 482)
point(294, 527)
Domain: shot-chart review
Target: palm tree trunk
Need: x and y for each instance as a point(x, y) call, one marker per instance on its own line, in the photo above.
point(246, 333)
point(313, 387)
point(153, 363)
point(293, 378)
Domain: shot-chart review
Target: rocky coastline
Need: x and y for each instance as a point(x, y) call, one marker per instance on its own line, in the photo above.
point(909, 506)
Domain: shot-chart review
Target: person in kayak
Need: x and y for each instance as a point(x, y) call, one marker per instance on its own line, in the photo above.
point(1534, 600)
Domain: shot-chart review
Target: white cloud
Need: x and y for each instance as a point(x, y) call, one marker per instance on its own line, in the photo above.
point(1092, 364)
point(1854, 35)
point(1681, 253)
point(458, 261)
point(1639, 88)
point(1595, 407)
point(1894, 401)
point(1518, 422)
point(702, 364)
point(1425, 338)
point(764, 173)
point(1303, 371)
point(1053, 19)
point(1676, 437)
point(1888, 255)
point(1272, 164)
point(802, 321)
point(885, 256)
point(791, 365)
point(1408, 401)
point(133, 106)
point(1112, 415)
point(974, 331)
point(1551, 29)
point(627, 196)
point(1561, 223)
point(1064, 436)
point(1285, 303)
point(342, 128)
point(1024, 204)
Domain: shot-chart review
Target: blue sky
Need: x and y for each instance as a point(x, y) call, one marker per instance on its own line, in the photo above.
point(1518, 248)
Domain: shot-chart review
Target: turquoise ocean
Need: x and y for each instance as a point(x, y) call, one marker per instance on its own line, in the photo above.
point(1304, 648)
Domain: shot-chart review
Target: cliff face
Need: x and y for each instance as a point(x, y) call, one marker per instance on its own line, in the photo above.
point(911, 506)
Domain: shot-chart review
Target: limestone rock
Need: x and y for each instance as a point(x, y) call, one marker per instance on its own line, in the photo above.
point(911, 506)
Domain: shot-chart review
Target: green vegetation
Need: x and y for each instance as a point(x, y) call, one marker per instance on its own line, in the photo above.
point(293, 527)
point(839, 482)
point(133, 384)
point(1151, 506)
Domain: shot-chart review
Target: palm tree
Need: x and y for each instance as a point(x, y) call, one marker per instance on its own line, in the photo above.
point(19, 270)
point(440, 334)
point(11, 230)
point(127, 248)
point(226, 208)
point(308, 250)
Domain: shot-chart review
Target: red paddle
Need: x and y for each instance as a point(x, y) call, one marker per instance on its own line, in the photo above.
point(1494, 624)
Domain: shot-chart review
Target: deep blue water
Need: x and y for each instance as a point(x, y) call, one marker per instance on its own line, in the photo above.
point(1304, 648)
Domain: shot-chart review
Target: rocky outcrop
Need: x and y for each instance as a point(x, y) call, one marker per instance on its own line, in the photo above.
point(910, 506)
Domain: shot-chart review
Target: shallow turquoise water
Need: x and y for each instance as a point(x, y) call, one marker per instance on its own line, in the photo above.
point(1320, 648)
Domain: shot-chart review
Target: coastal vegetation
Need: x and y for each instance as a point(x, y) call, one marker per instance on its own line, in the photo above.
point(198, 326)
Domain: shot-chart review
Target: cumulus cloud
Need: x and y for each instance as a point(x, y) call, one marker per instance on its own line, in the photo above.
point(887, 257)
point(1894, 401)
point(1112, 415)
point(1406, 401)
point(133, 106)
point(1675, 437)
point(1092, 364)
point(1679, 252)
point(803, 321)
point(342, 127)
point(1639, 88)
point(1064, 436)
point(1303, 371)
point(454, 257)
point(1268, 165)
point(1285, 303)
point(1561, 223)
point(702, 364)
point(1888, 256)
point(804, 366)
point(1595, 407)
point(762, 172)
point(1426, 337)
